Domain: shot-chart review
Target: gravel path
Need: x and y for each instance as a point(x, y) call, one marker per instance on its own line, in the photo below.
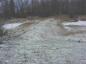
point(44, 43)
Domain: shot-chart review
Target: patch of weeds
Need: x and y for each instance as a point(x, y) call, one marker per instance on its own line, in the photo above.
point(2, 33)
point(1, 42)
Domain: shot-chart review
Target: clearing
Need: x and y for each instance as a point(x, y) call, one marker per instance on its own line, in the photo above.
point(43, 42)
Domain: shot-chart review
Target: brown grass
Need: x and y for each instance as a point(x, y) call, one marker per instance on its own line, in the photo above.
point(75, 32)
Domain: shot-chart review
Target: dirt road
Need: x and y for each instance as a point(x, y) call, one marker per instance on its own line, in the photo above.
point(44, 43)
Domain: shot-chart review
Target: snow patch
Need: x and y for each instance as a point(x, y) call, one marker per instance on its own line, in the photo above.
point(11, 25)
point(69, 25)
point(79, 23)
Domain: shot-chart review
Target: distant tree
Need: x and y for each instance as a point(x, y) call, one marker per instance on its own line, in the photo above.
point(12, 8)
point(22, 8)
point(6, 8)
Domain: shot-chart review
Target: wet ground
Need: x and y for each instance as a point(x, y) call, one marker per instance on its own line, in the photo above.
point(43, 42)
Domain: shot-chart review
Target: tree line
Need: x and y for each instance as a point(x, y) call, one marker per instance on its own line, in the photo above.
point(25, 8)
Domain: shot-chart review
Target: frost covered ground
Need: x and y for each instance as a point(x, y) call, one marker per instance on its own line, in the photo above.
point(44, 42)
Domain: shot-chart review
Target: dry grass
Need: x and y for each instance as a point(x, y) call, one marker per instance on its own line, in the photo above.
point(75, 32)
point(82, 17)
